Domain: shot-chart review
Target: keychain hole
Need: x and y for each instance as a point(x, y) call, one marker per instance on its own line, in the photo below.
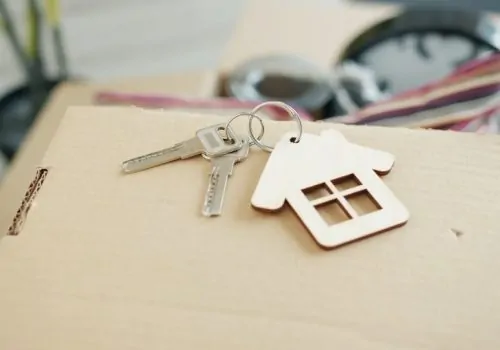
point(293, 140)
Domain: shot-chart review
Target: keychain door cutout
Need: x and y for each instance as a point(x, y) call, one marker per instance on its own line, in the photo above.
point(322, 174)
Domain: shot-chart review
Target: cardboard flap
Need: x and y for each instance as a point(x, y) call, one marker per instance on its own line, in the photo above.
point(113, 261)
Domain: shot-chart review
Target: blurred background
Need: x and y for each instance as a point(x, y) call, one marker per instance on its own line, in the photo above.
point(113, 38)
point(377, 72)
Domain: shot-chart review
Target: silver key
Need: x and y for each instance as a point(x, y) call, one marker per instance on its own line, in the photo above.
point(208, 141)
point(222, 169)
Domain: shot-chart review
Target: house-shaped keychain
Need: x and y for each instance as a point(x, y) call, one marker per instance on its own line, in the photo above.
point(323, 173)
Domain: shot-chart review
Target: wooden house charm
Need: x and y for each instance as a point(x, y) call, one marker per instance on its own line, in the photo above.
point(333, 187)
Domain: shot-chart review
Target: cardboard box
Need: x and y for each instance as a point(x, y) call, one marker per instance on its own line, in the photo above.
point(22, 169)
point(113, 261)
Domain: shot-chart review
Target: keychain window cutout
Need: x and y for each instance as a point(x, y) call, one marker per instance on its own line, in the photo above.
point(347, 194)
point(332, 212)
point(346, 182)
point(333, 187)
point(363, 203)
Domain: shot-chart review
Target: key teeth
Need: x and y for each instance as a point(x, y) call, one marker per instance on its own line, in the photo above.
point(212, 183)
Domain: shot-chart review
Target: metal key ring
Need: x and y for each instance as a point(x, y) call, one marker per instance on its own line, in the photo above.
point(251, 117)
point(293, 114)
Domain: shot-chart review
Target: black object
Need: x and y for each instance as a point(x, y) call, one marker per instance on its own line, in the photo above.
point(423, 44)
point(18, 111)
point(19, 108)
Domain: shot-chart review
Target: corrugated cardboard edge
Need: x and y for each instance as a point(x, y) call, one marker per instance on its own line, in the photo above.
point(23, 210)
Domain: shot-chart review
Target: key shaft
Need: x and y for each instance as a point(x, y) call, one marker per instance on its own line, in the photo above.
point(181, 150)
point(222, 169)
point(217, 185)
point(209, 141)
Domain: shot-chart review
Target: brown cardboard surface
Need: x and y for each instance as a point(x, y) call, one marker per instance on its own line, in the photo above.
point(319, 32)
point(22, 170)
point(112, 261)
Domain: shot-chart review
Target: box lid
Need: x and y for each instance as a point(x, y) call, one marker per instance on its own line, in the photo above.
point(113, 261)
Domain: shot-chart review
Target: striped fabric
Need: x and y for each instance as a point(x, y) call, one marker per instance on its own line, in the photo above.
point(469, 96)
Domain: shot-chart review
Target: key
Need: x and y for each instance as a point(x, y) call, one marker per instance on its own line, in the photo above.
point(222, 169)
point(208, 141)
